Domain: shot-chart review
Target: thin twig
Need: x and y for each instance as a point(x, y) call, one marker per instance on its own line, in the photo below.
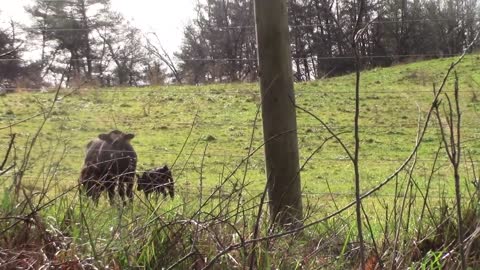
point(7, 154)
point(186, 140)
point(257, 227)
point(201, 174)
point(458, 195)
point(345, 148)
point(358, 209)
point(21, 121)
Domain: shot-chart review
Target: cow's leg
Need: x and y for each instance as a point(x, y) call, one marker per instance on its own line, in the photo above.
point(129, 185)
point(171, 190)
point(86, 187)
point(90, 188)
point(86, 178)
point(121, 189)
point(162, 190)
point(110, 186)
point(93, 188)
point(95, 191)
point(92, 185)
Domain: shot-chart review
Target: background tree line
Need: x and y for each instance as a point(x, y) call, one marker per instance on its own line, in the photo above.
point(101, 47)
point(97, 45)
point(321, 32)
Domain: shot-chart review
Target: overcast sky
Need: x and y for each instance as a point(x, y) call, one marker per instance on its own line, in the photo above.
point(165, 17)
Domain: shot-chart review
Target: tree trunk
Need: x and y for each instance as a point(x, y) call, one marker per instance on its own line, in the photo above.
point(86, 33)
point(278, 112)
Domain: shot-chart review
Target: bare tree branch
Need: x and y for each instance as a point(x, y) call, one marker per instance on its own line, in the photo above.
point(162, 54)
point(11, 51)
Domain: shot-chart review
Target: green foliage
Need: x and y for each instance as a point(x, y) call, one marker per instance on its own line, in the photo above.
point(7, 200)
point(155, 253)
point(432, 261)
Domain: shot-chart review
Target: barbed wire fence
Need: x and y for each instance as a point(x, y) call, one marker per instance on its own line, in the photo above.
point(23, 31)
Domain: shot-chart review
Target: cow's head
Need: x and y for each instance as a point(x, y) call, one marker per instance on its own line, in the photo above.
point(119, 141)
point(116, 136)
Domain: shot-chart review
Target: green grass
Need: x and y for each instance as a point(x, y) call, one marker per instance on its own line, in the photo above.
point(392, 101)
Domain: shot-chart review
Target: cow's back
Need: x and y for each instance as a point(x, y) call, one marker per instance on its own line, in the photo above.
point(107, 156)
point(98, 154)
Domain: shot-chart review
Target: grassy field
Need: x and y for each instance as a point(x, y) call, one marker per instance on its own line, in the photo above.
point(393, 101)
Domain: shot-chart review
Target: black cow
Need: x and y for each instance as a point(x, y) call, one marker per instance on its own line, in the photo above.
point(110, 161)
point(159, 180)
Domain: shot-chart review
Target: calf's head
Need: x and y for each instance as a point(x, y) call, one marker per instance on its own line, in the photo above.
point(168, 183)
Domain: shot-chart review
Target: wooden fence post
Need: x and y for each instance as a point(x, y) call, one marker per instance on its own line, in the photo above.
point(278, 112)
